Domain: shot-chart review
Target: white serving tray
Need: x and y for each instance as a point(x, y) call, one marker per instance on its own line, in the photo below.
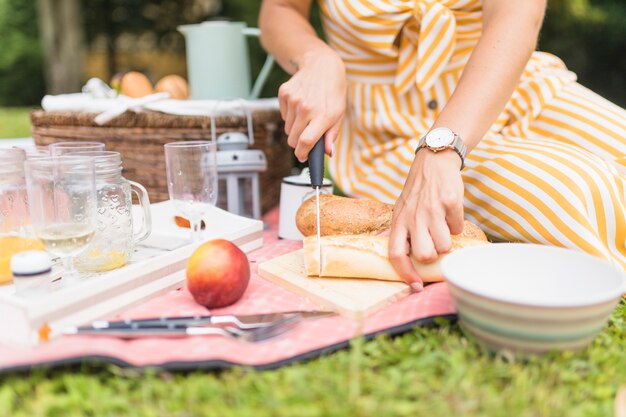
point(158, 265)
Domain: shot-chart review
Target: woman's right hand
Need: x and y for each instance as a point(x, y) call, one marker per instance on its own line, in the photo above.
point(313, 102)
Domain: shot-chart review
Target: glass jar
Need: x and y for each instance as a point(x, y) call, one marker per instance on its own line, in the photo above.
point(16, 234)
point(114, 240)
point(13, 206)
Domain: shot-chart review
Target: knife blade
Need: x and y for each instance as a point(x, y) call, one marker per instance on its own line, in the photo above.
point(316, 170)
point(250, 321)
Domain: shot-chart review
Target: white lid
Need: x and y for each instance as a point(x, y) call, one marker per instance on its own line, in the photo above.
point(304, 179)
point(31, 262)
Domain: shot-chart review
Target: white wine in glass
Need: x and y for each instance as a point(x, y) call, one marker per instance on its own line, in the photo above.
point(66, 239)
point(62, 205)
point(192, 180)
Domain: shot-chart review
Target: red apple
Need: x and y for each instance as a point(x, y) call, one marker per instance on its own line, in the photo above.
point(218, 273)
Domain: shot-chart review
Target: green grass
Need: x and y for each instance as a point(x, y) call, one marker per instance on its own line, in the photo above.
point(426, 372)
point(14, 122)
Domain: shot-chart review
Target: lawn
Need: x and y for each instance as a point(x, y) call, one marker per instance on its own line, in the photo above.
point(14, 122)
point(426, 372)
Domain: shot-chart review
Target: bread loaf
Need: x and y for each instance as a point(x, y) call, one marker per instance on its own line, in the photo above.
point(365, 256)
point(351, 246)
point(350, 216)
point(341, 215)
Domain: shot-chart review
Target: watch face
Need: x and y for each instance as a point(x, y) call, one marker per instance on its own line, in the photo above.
point(440, 137)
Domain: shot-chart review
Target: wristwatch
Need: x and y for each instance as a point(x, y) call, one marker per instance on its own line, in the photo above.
point(443, 138)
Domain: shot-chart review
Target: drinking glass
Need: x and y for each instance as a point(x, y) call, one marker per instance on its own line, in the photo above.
point(192, 179)
point(13, 200)
point(15, 231)
point(62, 203)
point(64, 148)
point(115, 238)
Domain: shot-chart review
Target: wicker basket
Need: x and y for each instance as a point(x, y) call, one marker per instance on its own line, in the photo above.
point(140, 137)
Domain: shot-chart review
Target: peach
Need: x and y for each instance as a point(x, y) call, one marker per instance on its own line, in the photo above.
point(175, 85)
point(218, 273)
point(135, 84)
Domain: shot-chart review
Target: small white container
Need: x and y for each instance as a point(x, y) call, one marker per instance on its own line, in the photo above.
point(293, 191)
point(31, 272)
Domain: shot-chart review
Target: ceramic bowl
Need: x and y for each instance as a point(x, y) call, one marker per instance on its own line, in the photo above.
point(532, 298)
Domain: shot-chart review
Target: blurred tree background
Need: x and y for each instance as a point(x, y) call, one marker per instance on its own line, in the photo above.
point(120, 35)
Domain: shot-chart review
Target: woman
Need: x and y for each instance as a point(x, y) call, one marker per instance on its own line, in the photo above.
point(545, 158)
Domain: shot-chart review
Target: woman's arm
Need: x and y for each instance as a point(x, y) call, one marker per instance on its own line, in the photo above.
point(313, 101)
point(510, 32)
point(430, 207)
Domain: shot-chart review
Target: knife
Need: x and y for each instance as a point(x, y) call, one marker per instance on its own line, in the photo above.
point(316, 170)
point(241, 321)
point(258, 334)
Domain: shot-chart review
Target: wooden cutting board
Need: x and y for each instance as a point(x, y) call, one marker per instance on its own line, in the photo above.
point(350, 297)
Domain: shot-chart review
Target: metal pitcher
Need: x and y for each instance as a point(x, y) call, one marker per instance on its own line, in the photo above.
point(218, 63)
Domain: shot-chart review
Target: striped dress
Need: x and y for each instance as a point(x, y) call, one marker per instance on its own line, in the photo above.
point(551, 169)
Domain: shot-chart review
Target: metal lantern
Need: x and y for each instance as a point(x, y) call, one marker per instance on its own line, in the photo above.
point(238, 167)
point(238, 173)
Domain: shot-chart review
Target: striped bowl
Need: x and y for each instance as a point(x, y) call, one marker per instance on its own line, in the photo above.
point(532, 299)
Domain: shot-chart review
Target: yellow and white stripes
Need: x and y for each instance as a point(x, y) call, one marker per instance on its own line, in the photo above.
point(552, 168)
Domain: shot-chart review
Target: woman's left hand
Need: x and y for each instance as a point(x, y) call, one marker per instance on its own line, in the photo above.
point(428, 211)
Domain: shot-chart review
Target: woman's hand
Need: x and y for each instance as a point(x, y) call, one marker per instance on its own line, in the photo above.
point(428, 211)
point(313, 102)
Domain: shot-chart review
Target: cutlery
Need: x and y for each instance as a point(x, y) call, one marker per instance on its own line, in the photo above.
point(258, 334)
point(240, 321)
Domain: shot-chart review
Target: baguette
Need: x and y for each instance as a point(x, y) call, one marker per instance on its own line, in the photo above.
point(363, 256)
point(349, 216)
point(342, 215)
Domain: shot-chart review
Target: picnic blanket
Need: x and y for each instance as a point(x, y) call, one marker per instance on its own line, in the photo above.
point(309, 339)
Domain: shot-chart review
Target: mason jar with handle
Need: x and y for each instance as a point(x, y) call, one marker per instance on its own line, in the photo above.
point(218, 63)
point(115, 239)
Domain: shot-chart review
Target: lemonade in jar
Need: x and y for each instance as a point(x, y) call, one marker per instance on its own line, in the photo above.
point(15, 232)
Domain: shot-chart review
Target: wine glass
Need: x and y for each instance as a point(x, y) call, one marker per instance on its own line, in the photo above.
point(192, 179)
point(62, 205)
point(64, 148)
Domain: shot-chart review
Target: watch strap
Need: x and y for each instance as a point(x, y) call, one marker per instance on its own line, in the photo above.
point(460, 148)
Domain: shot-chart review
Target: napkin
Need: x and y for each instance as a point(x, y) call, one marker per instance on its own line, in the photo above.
point(109, 108)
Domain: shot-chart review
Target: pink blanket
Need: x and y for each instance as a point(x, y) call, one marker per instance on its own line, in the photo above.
point(308, 339)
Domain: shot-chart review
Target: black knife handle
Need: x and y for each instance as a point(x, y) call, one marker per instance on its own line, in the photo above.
point(316, 164)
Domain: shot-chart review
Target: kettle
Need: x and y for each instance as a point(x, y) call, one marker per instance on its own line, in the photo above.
point(218, 64)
